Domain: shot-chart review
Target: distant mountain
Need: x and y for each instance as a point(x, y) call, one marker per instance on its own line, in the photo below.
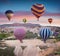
point(20, 24)
point(29, 25)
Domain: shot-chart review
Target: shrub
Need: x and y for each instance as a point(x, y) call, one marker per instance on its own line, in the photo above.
point(7, 52)
point(30, 35)
point(3, 35)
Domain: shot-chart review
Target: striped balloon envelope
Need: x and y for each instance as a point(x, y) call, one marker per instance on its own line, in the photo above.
point(38, 10)
point(45, 33)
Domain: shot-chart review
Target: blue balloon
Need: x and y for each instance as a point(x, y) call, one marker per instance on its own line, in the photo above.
point(45, 33)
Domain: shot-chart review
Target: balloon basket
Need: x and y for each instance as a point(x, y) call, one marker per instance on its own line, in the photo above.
point(23, 47)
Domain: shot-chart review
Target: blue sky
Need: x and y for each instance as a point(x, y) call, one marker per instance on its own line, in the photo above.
point(52, 6)
point(22, 9)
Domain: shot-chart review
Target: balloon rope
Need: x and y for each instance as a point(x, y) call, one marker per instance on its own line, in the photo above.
point(38, 19)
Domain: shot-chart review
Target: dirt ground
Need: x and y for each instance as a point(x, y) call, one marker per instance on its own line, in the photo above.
point(35, 42)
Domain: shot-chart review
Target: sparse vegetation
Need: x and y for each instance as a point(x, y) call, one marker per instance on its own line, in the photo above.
point(3, 35)
point(57, 52)
point(58, 38)
point(30, 35)
point(7, 51)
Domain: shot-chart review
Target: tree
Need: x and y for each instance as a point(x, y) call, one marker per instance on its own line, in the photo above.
point(30, 35)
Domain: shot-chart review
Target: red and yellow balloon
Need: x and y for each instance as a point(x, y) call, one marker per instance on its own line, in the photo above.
point(38, 10)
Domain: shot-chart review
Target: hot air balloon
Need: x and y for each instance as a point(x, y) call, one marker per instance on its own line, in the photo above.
point(45, 33)
point(9, 14)
point(50, 20)
point(24, 20)
point(55, 34)
point(20, 33)
point(38, 10)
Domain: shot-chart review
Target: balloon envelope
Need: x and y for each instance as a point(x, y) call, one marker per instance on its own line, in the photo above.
point(38, 10)
point(45, 33)
point(9, 14)
point(55, 34)
point(50, 20)
point(19, 33)
point(24, 20)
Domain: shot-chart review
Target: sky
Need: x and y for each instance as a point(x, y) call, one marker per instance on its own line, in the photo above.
point(22, 9)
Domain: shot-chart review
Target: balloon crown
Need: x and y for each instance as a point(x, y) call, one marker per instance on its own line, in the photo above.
point(8, 11)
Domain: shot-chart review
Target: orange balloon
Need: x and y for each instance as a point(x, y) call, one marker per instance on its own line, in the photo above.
point(50, 20)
